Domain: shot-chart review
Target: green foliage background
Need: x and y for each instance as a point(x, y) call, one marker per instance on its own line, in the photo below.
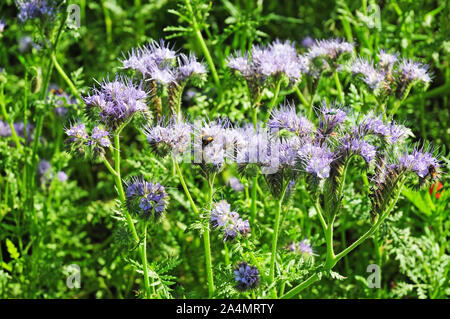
point(78, 219)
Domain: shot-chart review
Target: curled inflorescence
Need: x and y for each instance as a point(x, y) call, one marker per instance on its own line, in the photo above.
point(146, 199)
point(35, 9)
point(173, 136)
point(228, 221)
point(159, 63)
point(246, 276)
point(391, 75)
point(115, 102)
point(304, 247)
point(80, 140)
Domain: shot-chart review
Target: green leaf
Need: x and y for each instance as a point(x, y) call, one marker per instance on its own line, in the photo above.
point(12, 250)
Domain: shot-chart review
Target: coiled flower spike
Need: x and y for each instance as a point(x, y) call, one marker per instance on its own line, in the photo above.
point(246, 276)
point(146, 199)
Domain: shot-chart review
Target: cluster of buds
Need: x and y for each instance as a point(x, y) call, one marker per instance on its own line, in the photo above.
point(228, 221)
point(82, 142)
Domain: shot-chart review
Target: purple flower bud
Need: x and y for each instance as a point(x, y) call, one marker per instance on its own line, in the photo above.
point(246, 276)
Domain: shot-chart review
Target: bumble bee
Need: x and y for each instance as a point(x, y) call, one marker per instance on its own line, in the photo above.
point(206, 140)
point(432, 171)
point(57, 91)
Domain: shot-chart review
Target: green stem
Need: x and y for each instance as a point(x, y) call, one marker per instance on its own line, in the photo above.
point(305, 284)
point(118, 181)
point(108, 22)
point(144, 263)
point(186, 190)
point(371, 230)
point(274, 99)
point(64, 76)
point(10, 123)
point(330, 263)
point(302, 98)
point(206, 235)
point(254, 199)
point(275, 240)
point(206, 241)
point(400, 102)
point(339, 87)
point(204, 47)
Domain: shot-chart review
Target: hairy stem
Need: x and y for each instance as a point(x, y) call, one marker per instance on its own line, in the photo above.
point(207, 240)
point(204, 47)
point(275, 241)
point(64, 76)
point(274, 99)
point(339, 87)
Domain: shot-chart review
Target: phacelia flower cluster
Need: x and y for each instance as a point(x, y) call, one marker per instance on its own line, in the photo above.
point(81, 141)
point(304, 247)
point(286, 117)
point(277, 59)
point(246, 276)
point(173, 136)
point(228, 221)
point(330, 117)
point(146, 199)
point(316, 159)
point(391, 75)
point(161, 64)
point(420, 161)
point(327, 55)
point(35, 9)
point(46, 173)
point(115, 102)
point(19, 128)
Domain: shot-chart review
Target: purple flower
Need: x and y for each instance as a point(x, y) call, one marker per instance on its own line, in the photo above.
point(307, 42)
point(2, 26)
point(386, 60)
point(411, 71)
point(329, 118)
point(146, 199)
point(316, 159)
point(278, 58)
point(116, 101)
point(303, 247)
point(162, 76)
point(62, 176)
point(235, 184)
point(368, 73)
point(99, 137)
point(35, 9)
point(330, 49)
point(240, 64)
point(77, 133)
point(246, 276)
point(174, 136)
point(228, 221)
point(44, 167)
point(421, 161)
point(150, 57)
point(5, 130)
point(288, 150)
point(358, 146)
point(188, 67)
point(374, 125)
point(287, 118)
point(397, 132)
